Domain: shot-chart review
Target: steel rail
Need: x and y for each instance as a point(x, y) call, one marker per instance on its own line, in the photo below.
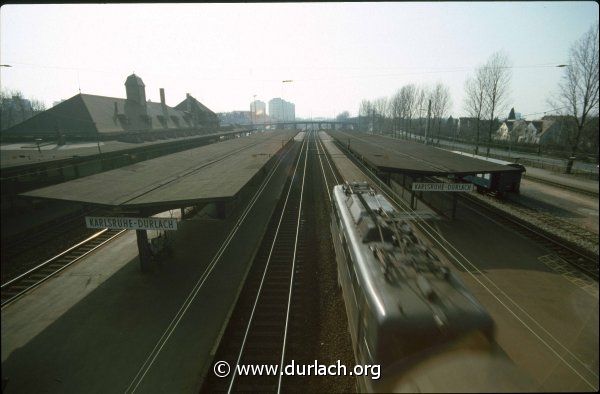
point(16, 244)
point(582, 255)
point(152, 356)
point(272, 253)
point(433, 235)
point(561, 186)
point(27, 275)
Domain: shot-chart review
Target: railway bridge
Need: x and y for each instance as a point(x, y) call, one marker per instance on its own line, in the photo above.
point(304, 124)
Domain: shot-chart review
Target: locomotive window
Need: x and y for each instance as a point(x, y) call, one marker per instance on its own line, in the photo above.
point(336, 214)
point(349, 259)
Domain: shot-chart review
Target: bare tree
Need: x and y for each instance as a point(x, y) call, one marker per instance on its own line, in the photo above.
point(403, 103)
point(475, 100)
point(365, 112)
point(440, 103)
point(421, 98)
point(497, 83)
point(409, 95)
point(37, 106)
point(343, 116)
point(579, 89)
point(380, 107)
point(14, 108)
point(395, 109)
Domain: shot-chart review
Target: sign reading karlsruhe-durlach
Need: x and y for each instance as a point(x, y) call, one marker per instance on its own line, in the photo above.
point(442, 187)
point(131, 223)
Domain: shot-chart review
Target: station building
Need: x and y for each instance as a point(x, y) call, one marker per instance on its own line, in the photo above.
point(92, 117)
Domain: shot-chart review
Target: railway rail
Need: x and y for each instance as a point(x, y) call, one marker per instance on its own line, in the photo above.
point(17, 244)
point(15, 288)
point(578, 257)
point(547, 339)
point(561, 186)
point(258, 331)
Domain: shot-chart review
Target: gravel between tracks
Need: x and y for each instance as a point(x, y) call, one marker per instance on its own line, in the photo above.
point(326, 335)
point(560, 228)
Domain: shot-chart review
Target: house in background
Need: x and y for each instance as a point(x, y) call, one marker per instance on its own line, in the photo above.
point(548, 130)
point(201, 116)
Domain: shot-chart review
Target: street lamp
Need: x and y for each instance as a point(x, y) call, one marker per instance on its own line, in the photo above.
point(253, 111)
point(282, 106)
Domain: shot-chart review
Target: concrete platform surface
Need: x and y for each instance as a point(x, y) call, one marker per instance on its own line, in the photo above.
point(208, 173)
point(96, 326)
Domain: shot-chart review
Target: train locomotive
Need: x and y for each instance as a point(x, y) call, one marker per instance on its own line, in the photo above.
point(407, 311)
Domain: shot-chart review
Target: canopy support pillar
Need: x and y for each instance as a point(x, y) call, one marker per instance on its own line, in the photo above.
point(143, 249)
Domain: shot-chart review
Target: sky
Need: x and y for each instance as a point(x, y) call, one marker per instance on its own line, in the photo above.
point(335, 54)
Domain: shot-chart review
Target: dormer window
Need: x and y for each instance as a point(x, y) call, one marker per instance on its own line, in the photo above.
point(175, 120)
point(147, 120)
point(123, 119)
point(162, 120)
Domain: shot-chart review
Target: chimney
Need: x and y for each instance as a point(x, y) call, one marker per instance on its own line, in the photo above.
point(163, 106)
point(162, 97)
point(188, 102)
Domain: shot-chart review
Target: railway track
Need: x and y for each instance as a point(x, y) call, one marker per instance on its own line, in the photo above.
point(561, 186)
point(578, 257)
point(269, 306)
point(549, 339)
point(571, 253)
point(17, 244)
point(15, 288)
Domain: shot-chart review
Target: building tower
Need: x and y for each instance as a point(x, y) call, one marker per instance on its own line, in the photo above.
point(136, 90)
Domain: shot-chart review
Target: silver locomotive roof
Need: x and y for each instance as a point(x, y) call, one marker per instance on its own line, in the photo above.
point(403, 276)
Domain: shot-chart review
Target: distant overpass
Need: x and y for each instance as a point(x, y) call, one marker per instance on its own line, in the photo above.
point(331, 124)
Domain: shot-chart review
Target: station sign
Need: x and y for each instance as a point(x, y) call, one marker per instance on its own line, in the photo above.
point(131, 223)
point(442, 187)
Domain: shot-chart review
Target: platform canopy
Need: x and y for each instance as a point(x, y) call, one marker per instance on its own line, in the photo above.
point(408, 157)
point(210, 173)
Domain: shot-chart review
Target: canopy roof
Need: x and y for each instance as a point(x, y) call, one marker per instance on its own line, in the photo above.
point(208, 173)
point(392, 155)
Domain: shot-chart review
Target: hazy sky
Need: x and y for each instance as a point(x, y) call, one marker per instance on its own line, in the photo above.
point(335, 53)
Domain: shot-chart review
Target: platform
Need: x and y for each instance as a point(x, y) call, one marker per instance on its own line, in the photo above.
point(350, 172)
point(407, 157)
point(92, 327)
point(205, 174)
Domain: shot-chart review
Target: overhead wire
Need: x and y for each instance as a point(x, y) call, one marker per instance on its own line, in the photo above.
point(428, 229)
